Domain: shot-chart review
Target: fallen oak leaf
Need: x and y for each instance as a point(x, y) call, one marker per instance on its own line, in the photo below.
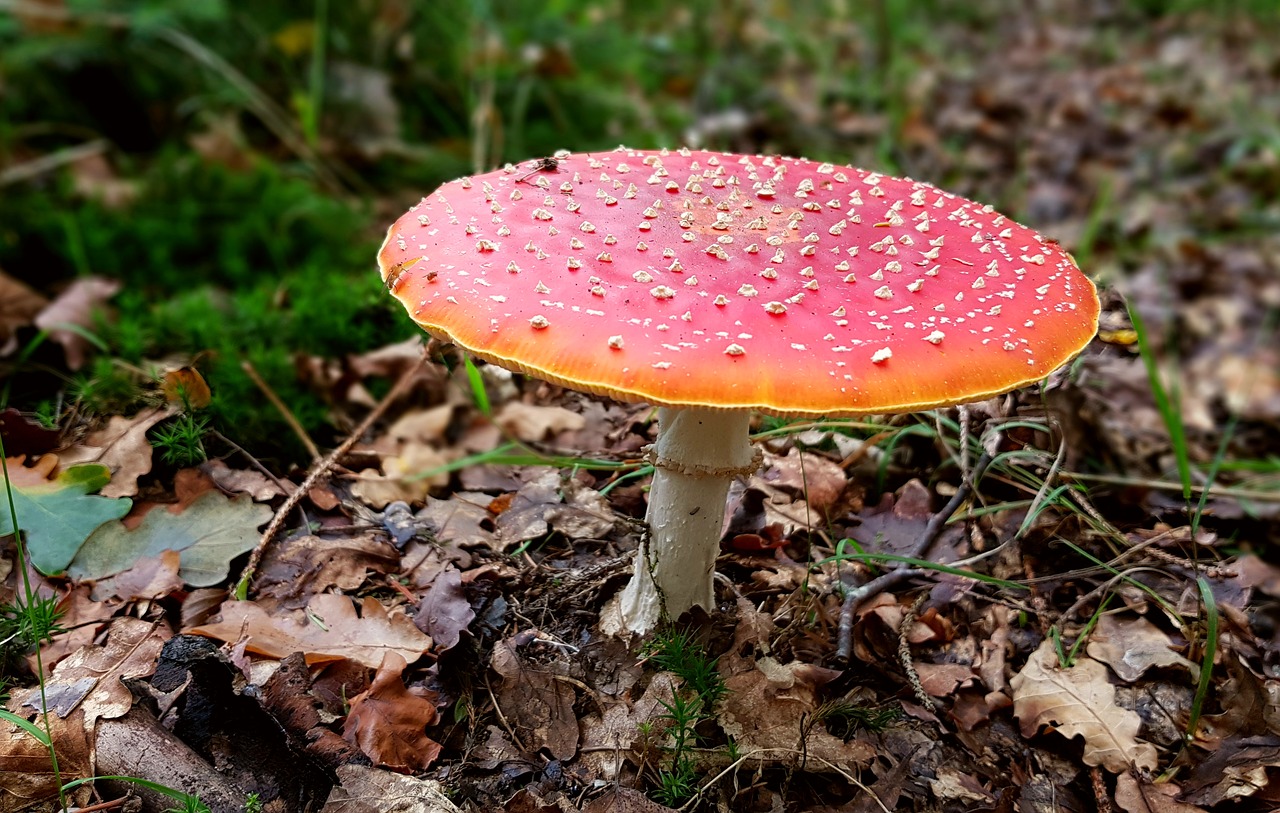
point(59, 515)
point(1140, 796)
point(208, 534)
point(388, 722)
point(444, 612)
point(1080, 701)
point(532, 423)
point(329, 630)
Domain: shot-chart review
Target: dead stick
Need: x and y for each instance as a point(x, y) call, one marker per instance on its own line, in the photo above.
point(853, 599)
point(318, 471)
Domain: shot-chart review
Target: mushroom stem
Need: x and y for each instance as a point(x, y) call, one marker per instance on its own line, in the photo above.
point(696, 457)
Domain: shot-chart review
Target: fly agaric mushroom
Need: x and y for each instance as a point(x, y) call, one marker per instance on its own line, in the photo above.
point(717, 285)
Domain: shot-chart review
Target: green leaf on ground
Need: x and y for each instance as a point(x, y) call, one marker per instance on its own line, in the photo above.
point(207, 534)
point(59, 515)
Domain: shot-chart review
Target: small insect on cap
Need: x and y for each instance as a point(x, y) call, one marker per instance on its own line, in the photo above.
point(701, 279)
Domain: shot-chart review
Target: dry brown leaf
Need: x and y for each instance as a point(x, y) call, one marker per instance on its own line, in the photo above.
point(1140, 796)
point(244, 481)
point(26, 773)
point(1131, 646)
point(297, 568)
point(76, 306)
point(121, 446)
point(537, 704)
point(421, 426)
point(400, 478)
point(942, 679)
point(150, 578)
point(361, 789)
point(388, 723)
point(1079, 701)
point(532, 423)
point(607, 737)
point(768, 706)
point(329, 630)
point(91, 678)
point(82, 618)
point(462, 519)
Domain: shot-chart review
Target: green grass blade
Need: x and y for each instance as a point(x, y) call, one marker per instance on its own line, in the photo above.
point(1168, 402)
point(478, 391)
point(27, 726)
point(176, 795)
point(1210, 651)
point(923, 564)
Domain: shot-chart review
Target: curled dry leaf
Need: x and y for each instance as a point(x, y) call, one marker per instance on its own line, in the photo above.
point(388, 722)
point(1079, 701)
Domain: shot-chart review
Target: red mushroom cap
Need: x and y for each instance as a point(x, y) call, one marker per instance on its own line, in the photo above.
point(720, 281)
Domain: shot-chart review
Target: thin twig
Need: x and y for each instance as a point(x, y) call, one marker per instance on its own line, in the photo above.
point(320, 470)
point(904, 652)
point(282, 408)
point(54, 160)
point(855, 598)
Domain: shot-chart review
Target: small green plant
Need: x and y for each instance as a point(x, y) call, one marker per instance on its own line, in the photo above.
point(844, 718)
point(253, 803)
point(701, 690)
point(181, 440)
